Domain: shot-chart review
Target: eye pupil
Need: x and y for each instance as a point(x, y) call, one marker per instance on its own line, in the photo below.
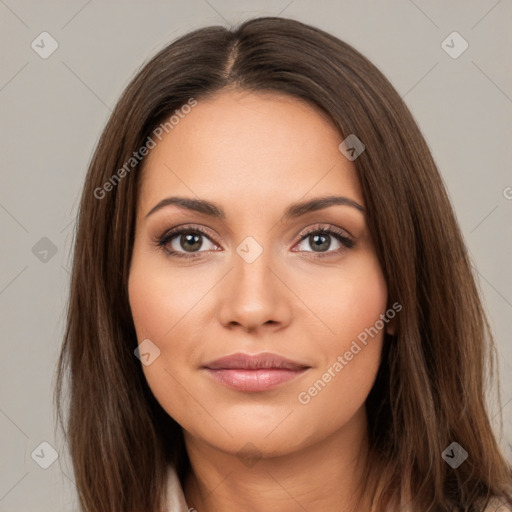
point(192, 241)
point(319, 242)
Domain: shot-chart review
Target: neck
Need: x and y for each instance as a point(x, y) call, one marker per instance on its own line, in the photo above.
point(325, 475)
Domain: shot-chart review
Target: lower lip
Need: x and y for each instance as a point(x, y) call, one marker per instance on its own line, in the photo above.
point(254, 380)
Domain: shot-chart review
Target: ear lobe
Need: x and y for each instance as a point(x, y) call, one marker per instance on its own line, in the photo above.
point(391, 327)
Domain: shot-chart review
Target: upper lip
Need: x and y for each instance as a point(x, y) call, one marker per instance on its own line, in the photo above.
point(254, 362)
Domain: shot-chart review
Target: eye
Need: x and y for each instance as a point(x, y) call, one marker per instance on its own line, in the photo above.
point(321, 238)
point(185, 242)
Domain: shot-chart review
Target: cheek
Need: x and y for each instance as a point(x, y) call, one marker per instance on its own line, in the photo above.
point(159, 298)
point(158, 311)
point(365, 300)
point(351, 306)
point(168, 308)
point(153, 308)
point(346, 301)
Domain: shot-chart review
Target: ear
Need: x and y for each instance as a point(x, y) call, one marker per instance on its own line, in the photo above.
point(392, 316)
point(391, 327)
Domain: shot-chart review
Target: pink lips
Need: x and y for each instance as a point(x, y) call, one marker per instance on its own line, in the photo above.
point(260, 372)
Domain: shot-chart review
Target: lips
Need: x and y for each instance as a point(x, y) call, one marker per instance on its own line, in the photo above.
point(256, 362)
point(260, 372)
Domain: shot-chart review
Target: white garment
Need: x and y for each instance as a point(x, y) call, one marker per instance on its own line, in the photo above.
point(176, 499)
point(496, 506)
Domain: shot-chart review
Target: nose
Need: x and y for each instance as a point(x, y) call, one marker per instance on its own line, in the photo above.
point(253, 296)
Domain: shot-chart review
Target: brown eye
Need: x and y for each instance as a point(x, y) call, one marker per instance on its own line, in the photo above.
point(319, 242)
point(322, 240)
point(186, 242)
point(189, 242)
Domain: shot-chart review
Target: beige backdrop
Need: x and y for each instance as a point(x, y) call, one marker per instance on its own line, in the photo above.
point(57, 90)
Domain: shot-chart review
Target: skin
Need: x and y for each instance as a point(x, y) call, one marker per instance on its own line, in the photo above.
point(254, 154)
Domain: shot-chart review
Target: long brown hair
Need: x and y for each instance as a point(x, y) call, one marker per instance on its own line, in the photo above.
point(430, 389)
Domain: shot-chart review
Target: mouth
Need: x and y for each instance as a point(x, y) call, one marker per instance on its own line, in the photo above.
point(252, 373)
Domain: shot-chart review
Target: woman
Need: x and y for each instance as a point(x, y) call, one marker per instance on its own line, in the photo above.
point(271, 305)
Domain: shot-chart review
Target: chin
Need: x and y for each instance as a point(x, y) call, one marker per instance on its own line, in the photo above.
point(261, 439)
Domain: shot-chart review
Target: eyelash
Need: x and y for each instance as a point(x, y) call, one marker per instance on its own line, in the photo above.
point(339, 235)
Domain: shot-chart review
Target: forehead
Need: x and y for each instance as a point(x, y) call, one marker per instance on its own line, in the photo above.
point(263, 147)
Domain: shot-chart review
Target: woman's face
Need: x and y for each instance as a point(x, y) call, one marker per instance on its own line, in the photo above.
point(256, 280)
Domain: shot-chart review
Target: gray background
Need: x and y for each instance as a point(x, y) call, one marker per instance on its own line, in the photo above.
point(53, 111)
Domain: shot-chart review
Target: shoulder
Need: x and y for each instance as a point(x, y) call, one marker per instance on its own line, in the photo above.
point(495, 505)
point(175, 496)
point(498, 505)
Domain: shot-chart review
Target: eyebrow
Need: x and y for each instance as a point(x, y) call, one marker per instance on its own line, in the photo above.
point(293, 211)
